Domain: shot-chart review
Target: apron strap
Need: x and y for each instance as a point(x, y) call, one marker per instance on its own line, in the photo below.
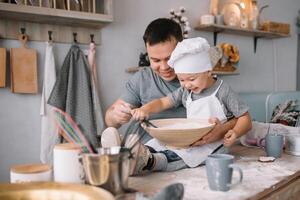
point(215, 92)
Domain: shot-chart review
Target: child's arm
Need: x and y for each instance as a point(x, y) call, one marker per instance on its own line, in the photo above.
point(242, 126)
point(154, 106)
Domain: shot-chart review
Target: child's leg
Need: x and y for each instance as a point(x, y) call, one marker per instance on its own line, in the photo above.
point(110, 137)
point(145, 158)
point(167, 161)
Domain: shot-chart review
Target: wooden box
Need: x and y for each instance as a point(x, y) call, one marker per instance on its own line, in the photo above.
point(276, 27)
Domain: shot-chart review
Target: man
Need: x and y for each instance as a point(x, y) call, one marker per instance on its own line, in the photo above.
point(160, 37)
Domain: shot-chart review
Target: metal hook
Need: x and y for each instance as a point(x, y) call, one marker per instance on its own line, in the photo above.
point(92, 38)
point(23, 30)
point(74, 37)
point(50, 35)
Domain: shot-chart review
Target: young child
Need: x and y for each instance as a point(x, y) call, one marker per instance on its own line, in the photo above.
point(203, 96)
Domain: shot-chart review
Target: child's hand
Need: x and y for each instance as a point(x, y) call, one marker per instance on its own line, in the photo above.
point(230, 138)
point(139, 114)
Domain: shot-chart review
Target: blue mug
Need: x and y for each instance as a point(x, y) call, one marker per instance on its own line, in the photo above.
point(273, 145)
point(219, 169)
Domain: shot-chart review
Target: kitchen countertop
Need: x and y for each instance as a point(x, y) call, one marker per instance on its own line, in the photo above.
point(279, 179)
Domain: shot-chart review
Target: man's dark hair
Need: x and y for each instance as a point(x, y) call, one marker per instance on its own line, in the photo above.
point(162, 30)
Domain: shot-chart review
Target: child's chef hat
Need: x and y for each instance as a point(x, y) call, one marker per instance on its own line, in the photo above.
point(191, 56)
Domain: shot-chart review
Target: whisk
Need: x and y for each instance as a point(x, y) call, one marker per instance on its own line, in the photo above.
point(71, 132)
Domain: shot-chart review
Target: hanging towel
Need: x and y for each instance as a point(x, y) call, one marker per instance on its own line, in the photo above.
point(72, 93)
point(95, 90)
point(49, 132)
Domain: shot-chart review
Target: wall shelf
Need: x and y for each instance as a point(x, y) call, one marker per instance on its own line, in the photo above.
point(53, 16)
point(236, 72)
point(38, 20)
point(256, 34)
point(136, 69)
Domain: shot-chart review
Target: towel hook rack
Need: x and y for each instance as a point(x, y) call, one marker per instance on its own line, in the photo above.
point(50, 35)
point(23, 32)
point(92, 38)
point(74, 37)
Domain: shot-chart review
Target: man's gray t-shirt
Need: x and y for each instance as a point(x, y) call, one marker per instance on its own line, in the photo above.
point(231, 103)
point(146, 86)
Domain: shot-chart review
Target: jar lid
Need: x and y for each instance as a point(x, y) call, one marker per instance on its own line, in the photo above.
point(66, 146)
point(30, 168)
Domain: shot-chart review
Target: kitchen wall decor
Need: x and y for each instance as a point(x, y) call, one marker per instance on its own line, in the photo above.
point(23, 68)
point(2, 67)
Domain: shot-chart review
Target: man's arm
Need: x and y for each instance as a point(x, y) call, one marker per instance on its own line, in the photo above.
point(118, 113)
point(217, 133)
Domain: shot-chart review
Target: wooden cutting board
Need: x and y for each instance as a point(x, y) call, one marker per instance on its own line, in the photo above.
point(2, 67)
point(23, 63)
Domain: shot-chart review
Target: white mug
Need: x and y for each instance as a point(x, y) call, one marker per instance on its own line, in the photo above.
point(30, 173)
point(207, 19)
point(66, 165)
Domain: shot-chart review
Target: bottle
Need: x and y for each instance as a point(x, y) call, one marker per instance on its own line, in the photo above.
point(254, 15)
point(244, 20)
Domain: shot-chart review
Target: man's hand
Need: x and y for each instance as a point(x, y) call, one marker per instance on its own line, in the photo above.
point(217, 132)
point(118, 114)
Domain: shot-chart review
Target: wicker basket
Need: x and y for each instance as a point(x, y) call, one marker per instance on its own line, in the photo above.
point(276, 27)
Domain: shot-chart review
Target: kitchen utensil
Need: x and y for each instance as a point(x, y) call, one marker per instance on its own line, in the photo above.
point(108, 169)
point(66, 165)
point(179, 132)
point(292, 144)
point(219, 169)
point(71, 132)
point(23, 63)
point(218, 148)
point(2, 67)
point(30, 173)
point(52, 191)
point(207, 19)
point(148, 123)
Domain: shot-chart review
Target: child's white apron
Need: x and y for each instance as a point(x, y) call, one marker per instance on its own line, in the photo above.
point(203, 108)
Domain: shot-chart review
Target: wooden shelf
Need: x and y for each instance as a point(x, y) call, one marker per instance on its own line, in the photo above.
point(216, 29)
point(136, 69)
point(53, 16)
point(236, 72)
point(239, 31)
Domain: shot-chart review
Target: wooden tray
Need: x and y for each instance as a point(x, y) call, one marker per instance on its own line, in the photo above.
point(2, 67)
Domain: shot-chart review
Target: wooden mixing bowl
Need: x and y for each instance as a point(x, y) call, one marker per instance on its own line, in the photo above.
point(179, 132)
